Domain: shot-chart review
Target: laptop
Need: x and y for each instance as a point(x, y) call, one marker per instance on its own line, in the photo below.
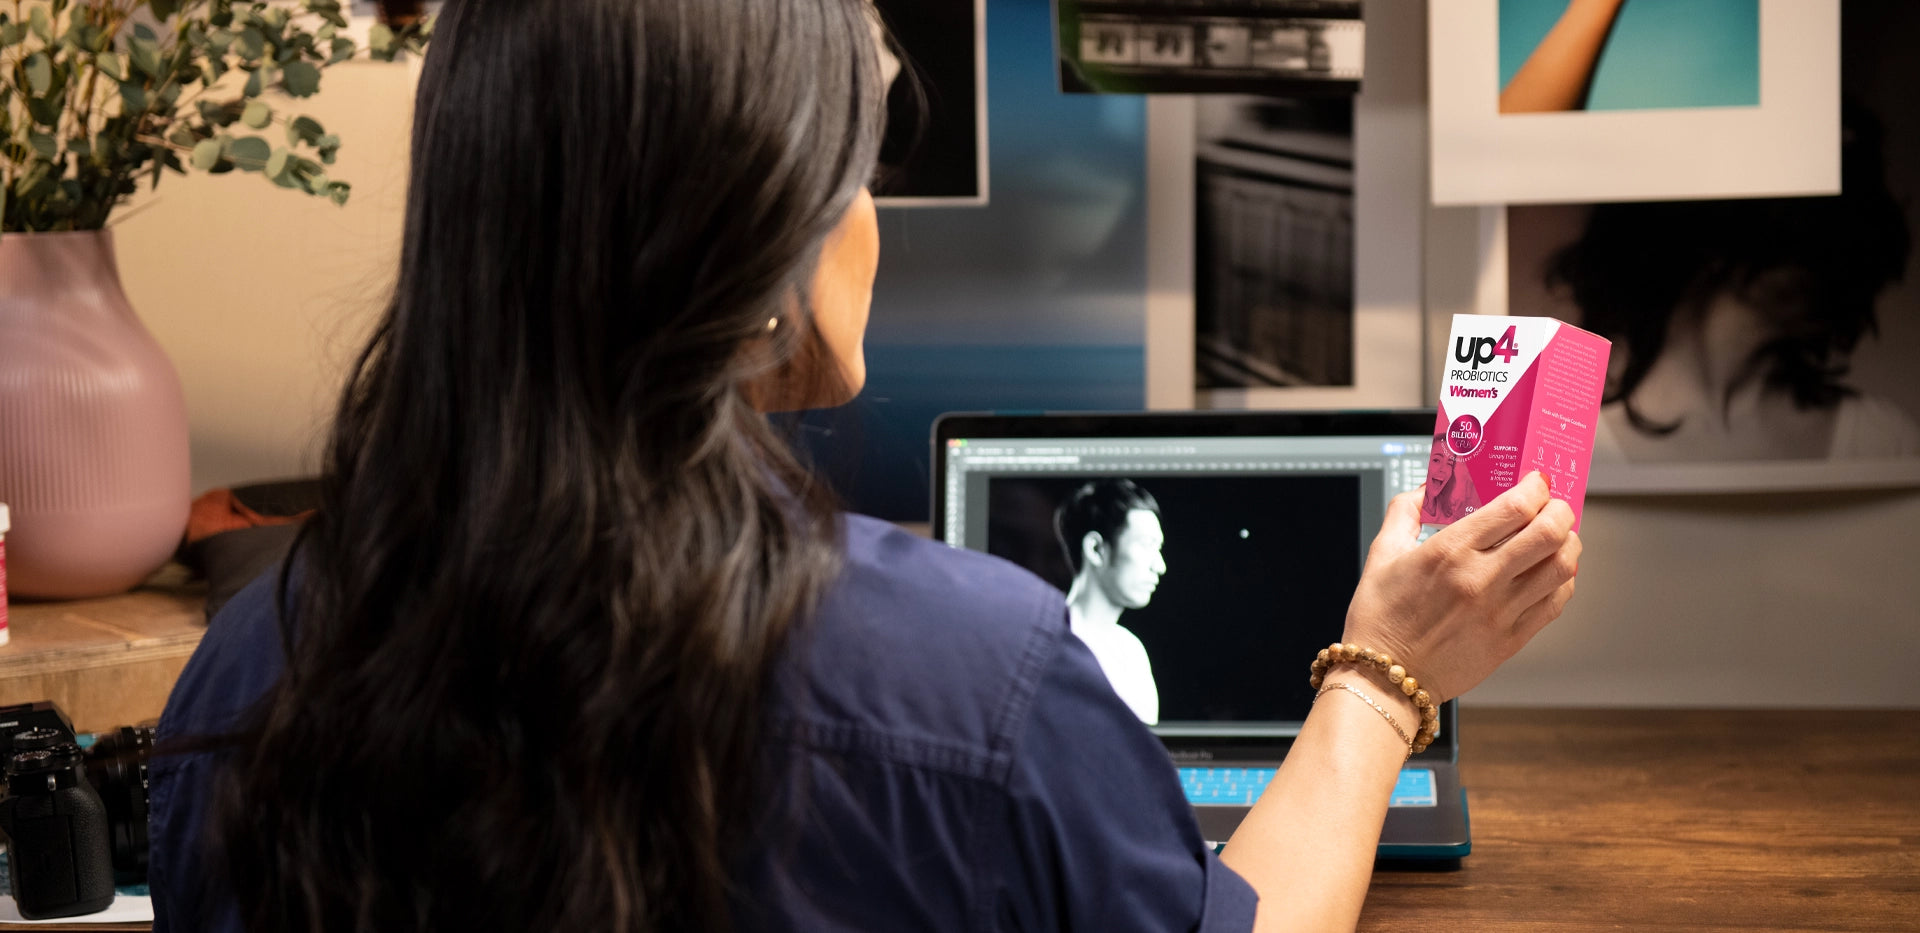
point(1262, 521)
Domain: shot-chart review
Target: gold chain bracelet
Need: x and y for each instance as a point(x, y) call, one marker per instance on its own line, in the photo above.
point(1395, 723)
point(1338, 653)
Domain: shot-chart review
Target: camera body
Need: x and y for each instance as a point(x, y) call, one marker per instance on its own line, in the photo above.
point(76, 821)
point(56, 826)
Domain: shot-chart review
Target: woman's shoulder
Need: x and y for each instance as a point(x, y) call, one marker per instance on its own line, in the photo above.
point(238, 660)
point(950, 593)
point(925, 641)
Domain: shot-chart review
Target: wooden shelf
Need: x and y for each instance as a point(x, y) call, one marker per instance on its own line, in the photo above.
point(105, 662)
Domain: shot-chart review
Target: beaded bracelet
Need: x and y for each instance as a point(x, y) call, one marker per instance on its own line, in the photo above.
point(1338, 653)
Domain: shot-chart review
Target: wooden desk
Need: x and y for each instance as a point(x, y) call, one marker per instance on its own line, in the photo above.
point(1659, 820)
point(1664, 821)
point(106, 662)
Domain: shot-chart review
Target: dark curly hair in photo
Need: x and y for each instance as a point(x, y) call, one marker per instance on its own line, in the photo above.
point(1813, 266)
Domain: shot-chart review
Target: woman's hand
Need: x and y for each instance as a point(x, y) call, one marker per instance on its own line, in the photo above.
point(1452, 609)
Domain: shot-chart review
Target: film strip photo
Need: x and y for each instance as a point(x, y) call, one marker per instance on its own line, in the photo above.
point(1273, 47)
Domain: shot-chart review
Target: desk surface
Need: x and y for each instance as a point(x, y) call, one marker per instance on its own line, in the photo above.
point(1660, 820)
point(1669, 821)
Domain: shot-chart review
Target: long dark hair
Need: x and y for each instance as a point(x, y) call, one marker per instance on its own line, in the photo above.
point(1817, 263)
point(536, 620)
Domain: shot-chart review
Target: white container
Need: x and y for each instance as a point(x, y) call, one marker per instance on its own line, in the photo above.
point(6, 522)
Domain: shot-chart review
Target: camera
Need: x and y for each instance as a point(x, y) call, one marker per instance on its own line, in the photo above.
point(75, 821)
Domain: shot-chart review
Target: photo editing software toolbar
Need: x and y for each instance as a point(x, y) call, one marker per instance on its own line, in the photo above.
point(1390, 464)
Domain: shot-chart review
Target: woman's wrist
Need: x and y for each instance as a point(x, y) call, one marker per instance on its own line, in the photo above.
point(1375, 684)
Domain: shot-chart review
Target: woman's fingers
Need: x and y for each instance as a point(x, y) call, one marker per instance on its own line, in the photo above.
point(1401, 529)
point(1546, 578)
point(1540, 613)
point(1540, 539)
point(1500, 519)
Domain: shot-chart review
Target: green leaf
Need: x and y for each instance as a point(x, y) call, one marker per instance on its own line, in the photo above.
point(44, 111)
point(133, 97)
point(257, 114)
point(250, 152)
point(305, 130)
point(43, 144)
point(80, 147)
point(163, 9)
point(140, 31)
point(326, 32)
point(252, 43)
point(39, 72)
point(221, 115)
point(111, 67)
point(343, 49)
point(277, 163)
point(302, 79)
point(205, 154)
point(256, 82)
point(183, 135)
point(380, 39)
point(86, 37)
point(145, 55)
point(42, 24)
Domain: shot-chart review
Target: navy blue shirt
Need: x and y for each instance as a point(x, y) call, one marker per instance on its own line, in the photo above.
point(966, 765)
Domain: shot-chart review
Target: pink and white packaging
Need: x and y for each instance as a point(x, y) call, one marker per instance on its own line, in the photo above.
point(1519, 394)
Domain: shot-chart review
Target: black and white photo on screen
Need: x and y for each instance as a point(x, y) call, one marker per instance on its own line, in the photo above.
point(1184, 587)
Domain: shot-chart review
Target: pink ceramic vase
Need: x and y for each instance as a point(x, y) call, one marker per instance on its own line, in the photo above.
point(93, 425)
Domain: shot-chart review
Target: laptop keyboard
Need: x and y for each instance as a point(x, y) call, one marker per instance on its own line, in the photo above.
point(1243, 786)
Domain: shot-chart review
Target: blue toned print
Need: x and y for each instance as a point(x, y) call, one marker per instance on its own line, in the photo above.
point(1661, 53)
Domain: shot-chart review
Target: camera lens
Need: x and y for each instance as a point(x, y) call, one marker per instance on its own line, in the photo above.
point(117, 768)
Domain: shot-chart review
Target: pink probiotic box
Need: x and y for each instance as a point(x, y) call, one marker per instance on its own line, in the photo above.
point(1520, 394)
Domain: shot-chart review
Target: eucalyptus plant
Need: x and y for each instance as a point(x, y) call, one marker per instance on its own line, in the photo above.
point(99, 95)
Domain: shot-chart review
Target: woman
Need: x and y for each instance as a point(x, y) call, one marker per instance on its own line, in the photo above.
point(1449, 491)
point(575, 644)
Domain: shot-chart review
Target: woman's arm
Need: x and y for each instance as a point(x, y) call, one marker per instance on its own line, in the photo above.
point(1450, 611)
point(1559, 73)
point(1308, 844)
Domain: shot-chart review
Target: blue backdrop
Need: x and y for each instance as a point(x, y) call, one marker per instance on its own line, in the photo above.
point(1662, 53)
point(1037, 301)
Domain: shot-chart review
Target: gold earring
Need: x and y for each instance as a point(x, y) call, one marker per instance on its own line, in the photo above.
point(772, 322)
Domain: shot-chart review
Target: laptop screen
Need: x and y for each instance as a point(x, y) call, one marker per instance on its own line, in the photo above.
point(1204, 571)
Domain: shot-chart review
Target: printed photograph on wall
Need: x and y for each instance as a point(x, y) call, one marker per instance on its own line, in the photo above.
point(1274, 242)
point(1169, 579)
point(1209, 46)
point(935, 150)
point(1561, 55)
point(1572, 101)
point(1770, 333)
